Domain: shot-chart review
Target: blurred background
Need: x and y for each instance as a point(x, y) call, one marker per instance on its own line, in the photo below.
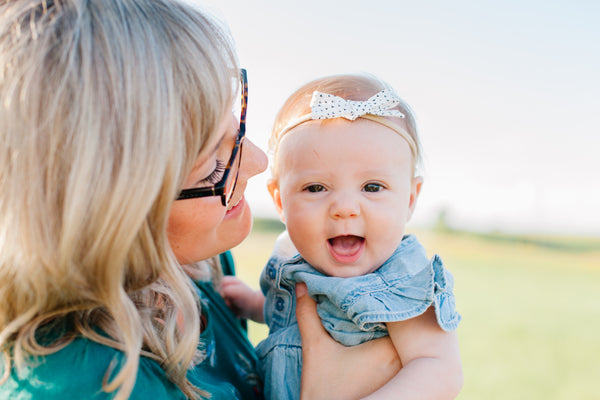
point(506, 94)
point(507, 99)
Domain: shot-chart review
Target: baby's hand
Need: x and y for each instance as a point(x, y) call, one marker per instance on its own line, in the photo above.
point(243, 300)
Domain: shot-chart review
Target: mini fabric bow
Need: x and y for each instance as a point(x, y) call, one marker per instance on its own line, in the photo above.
point(325, 106)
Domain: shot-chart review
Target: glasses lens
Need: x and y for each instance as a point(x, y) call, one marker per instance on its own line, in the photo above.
point(241, 111)
point(233, 175)
point(237, 106)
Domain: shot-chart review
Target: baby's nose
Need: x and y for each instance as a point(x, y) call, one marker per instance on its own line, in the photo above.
point(344, 206)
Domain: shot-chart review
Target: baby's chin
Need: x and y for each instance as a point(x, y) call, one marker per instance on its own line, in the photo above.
point(343, 271)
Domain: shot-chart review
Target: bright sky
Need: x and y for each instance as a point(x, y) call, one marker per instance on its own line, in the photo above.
point(506, 94)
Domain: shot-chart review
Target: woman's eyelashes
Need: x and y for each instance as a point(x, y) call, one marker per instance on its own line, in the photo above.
point(215, 176)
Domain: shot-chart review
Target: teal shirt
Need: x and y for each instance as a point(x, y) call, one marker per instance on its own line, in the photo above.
point(77, 371)
point(230, 359)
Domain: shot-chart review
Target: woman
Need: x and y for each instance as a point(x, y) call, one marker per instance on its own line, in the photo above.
point(108, 109)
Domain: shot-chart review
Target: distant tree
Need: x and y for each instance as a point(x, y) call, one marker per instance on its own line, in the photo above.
point(441, 223)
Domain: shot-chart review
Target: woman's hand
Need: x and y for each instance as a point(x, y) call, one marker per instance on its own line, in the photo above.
point(331, 370)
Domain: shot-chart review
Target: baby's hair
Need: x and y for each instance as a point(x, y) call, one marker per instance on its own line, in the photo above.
point(356, 87)
point(104, 107)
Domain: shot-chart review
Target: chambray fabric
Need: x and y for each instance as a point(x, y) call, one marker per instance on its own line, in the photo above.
point(353, 310)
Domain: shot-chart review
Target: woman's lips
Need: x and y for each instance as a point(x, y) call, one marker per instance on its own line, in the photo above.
point(236, 208)
point(346, 249)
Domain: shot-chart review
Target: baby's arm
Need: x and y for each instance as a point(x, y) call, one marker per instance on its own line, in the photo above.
point(430, 358)
point(243, 300)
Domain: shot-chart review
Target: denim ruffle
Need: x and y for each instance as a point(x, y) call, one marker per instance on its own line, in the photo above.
point(355, 309)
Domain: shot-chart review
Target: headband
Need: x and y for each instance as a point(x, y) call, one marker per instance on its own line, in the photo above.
point(328, 106)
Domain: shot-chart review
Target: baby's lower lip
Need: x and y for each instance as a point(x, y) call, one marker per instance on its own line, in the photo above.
point(346, 249)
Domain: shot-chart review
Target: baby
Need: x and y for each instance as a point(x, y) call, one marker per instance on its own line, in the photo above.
point(345, 153)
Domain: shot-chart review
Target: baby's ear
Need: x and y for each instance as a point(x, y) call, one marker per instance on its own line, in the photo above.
point(415, 189)
point(273, 187)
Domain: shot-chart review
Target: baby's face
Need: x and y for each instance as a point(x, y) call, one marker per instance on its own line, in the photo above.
point(346, 190)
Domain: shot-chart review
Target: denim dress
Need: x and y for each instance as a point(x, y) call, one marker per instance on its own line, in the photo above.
point(353, 310)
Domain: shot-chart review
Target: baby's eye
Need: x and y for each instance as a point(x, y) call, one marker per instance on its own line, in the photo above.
point(315, 188)
point(373, 187)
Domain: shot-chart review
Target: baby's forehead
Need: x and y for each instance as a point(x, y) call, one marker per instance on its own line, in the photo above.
point(361, 141)
point(363, 132)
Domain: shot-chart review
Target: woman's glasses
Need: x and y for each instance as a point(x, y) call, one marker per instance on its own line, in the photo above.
point(226, 186)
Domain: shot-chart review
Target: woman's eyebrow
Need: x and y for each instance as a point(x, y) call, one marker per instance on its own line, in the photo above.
point(216, 147)
point(214, 150)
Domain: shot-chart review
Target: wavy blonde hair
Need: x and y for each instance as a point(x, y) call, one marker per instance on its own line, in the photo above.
point(357, 87)
point(104, 107)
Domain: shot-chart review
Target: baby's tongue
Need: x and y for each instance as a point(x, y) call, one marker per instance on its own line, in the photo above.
point(346, 245)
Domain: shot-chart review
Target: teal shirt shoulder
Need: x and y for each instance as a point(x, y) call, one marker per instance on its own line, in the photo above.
point(78, 370)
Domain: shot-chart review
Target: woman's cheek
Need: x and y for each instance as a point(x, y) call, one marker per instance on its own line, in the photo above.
point(192, 230)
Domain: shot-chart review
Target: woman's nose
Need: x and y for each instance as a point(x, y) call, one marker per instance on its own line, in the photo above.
point(345, 205)
point(254, 160)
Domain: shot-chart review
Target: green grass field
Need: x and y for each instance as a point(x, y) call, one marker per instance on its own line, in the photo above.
point(530, 308)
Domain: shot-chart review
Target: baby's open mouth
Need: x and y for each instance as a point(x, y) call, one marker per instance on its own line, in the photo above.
point(346, 248)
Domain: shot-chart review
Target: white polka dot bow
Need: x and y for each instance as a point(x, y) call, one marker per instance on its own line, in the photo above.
point(326, 106)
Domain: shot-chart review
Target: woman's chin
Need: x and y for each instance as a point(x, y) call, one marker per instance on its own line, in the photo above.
point(241, 215)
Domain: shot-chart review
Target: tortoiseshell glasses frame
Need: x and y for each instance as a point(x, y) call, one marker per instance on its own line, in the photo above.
point(224, 188)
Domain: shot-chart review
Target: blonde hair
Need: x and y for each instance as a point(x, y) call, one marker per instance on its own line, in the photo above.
point(355, 87)
point(104, 107)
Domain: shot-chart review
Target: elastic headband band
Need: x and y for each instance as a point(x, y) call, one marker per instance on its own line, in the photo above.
point(328, 106)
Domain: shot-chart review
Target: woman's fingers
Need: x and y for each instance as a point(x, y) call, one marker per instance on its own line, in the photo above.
point(309, 322)
point(318, 348)
point(331, 370)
